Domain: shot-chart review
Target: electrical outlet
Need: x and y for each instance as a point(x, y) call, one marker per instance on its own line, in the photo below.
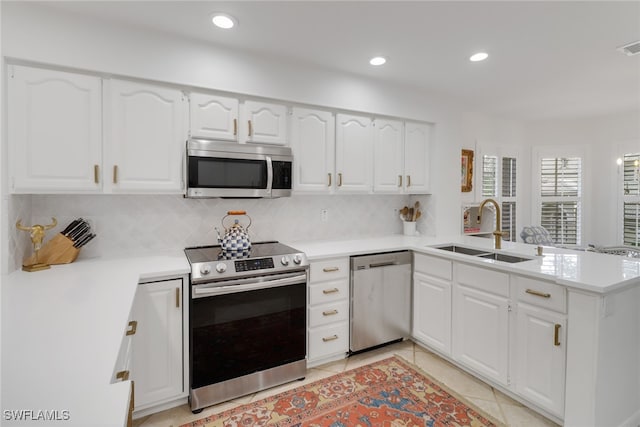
point(324, 215)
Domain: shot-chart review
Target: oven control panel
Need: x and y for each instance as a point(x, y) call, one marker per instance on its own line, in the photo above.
point(254, 264)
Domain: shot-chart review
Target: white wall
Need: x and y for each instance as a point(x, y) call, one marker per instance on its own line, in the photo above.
point(603, 139)
point(95, 46)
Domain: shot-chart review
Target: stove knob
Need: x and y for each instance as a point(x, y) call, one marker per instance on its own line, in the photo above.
point(285, 260)
point(297, 259)
point(205, 269)
point(221, 267)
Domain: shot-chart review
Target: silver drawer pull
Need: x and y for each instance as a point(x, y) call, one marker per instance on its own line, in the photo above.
point(331, 338)
point(538, 293)
point(330, 269)
point(329, 312)
point(330, 291)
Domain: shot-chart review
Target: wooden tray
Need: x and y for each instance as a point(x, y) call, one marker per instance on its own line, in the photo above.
point(58, 250)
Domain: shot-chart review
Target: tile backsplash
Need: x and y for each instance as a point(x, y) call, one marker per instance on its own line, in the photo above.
point(139, 224)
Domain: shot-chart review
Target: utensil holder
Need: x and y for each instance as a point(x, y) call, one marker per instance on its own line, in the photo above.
point(58, 250)
point(409, 228)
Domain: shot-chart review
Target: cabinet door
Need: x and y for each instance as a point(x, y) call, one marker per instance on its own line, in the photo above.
point(313, 145)
point(264, 123)
point(54, 131)
point(540, 354)
point(146, 136)
point(157, 347)
point(388, 155)
point(213, 117)
point(432, 312)
point(480, 332)
point(417, 158)
point(354, 139)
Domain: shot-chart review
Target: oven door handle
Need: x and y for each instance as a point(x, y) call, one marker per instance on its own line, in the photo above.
point(232, 289)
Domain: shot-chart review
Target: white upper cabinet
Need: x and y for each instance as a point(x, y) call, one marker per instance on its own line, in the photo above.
point(417, 158)
point(313, 145)
point(54, 131)
point(388, 155)
point(264, 123)
point(354, 140)
point(214, 117)
point(146, 131)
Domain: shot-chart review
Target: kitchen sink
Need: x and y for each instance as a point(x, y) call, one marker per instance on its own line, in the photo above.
point(503, 257)
point(482, 253)
point(462, 250)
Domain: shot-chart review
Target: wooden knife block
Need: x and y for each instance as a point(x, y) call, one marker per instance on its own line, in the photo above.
point(58, 250)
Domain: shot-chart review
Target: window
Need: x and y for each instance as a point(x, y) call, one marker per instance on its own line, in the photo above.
point(500, 183)
point(631, 200)
point(561, 197)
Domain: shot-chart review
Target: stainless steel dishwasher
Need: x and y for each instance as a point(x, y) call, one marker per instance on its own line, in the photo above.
point(380, 299)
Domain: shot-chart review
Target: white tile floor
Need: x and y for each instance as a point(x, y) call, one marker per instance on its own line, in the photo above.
point(486, 397)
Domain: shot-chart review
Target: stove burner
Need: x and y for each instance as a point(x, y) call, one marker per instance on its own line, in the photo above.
point(243, 254)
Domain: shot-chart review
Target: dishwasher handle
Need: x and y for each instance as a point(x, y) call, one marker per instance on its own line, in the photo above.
point(383, 264)
point(364, 262)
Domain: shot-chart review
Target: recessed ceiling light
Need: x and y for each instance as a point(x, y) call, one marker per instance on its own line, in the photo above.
point(480, 56)
point(224, 21)
point(377, 60)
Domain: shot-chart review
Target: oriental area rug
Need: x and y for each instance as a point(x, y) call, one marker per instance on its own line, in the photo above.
point(390, 393)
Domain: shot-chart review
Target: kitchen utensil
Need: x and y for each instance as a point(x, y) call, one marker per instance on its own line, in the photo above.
point(416, 208)
point(236, 238)
point(410, 215)
point(418, 215)
point(404, 212)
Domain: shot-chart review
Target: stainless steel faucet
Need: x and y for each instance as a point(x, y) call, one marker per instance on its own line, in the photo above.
point(497, 234)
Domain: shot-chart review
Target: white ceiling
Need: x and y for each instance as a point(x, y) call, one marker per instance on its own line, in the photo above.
point(548, 59)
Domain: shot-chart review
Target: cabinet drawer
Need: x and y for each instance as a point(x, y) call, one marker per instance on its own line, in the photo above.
point(328, 340)
point(329, 269)
point(334, 290)
point(328, 313)
point(432, 266)
point(487, 280)
point(541, 293)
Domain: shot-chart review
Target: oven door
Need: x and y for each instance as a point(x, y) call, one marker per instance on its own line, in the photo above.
point(246, 326)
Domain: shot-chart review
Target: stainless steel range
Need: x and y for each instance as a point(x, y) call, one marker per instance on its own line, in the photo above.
point(247, 321)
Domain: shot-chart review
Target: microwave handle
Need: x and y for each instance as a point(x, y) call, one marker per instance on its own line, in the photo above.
point(269, 174)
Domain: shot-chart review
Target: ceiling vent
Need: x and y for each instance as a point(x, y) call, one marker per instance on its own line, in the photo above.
point(630, 49)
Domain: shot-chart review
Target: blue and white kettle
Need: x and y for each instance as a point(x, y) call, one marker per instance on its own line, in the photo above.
point(236, 242)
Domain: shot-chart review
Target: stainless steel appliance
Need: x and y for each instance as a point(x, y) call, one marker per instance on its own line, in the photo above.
point(380, 299)
point(219, 169)
point(248, 321)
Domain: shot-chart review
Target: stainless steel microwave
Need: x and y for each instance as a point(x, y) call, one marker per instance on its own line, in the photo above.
point(220, 169)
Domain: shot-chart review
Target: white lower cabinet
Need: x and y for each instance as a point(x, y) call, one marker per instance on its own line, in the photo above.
point(432, 302)
point(540, 348)
point(481, 321)
point(158, 353)
point(328, 310)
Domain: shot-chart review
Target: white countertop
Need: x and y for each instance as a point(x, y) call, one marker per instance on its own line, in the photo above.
point(61, 334)
point(594, 272)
